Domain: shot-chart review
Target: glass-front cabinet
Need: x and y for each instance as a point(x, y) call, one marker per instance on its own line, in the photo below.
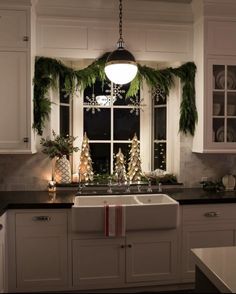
point(221, 110)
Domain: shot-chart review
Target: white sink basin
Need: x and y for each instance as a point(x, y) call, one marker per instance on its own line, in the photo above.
point(90, 201)
point(143, 212)
point(154, 199)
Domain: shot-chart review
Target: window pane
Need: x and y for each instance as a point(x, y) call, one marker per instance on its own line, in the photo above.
point(64, 98)
point(119, 92)
point(98, 124)
point(231, 77)
point(218, 130)
point(97, 94)
point(100, 154)
point(231, 127)
point(160, 156)
point(158, 96)
point(160, 123)
point(64, 120)
point(219, 76)
point(126, 124)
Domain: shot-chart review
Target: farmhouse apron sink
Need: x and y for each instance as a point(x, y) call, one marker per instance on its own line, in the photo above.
point(143, 212)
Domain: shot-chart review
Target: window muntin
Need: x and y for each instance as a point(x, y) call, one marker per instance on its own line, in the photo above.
point(64, 110)
point(159, 129)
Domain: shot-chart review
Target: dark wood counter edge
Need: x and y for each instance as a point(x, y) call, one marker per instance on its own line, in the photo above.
point(204, 201)
point(65, 199)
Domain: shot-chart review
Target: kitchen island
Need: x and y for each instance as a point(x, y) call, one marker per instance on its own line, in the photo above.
point(215, 269)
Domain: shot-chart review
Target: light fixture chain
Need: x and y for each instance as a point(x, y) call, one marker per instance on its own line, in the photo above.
point(120, 25)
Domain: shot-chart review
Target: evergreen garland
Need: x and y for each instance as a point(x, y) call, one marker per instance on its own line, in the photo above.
point(47, 71)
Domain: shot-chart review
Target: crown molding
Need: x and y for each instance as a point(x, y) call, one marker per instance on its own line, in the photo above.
point(133, 10)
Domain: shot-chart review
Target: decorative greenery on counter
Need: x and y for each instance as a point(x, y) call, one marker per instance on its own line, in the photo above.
point(215, 186)
point(59, 146)
point(47, 71)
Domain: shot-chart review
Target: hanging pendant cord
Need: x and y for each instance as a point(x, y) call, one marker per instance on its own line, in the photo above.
point(120, 41)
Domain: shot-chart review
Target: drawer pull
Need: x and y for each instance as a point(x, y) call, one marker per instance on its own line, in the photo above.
point(41, 218)
point(211, 214)
point(1, 227)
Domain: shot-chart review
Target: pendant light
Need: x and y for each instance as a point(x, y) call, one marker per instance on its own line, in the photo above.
point(121, 67)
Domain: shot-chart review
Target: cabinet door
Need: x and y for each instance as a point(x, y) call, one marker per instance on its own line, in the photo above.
point(152, 257)
point(203, 236)
point(13, 101)
point(2, 255)
point(221, 133)
point(41, 251)
point(98, 263)
point(13, 29)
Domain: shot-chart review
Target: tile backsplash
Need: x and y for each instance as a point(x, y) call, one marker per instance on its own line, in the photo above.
point(24, 172)
point(32, 172)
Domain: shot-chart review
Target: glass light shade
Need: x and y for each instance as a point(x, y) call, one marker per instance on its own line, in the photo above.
point(121, 67)
point(121, 73)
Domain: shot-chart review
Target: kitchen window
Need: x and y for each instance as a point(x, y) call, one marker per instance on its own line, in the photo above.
point(111, 120)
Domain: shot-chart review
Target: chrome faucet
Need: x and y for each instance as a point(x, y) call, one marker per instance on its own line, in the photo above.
point(159, 187)
point(149, 189)
point(109, 186)
point(128, 186)
point(139, 187)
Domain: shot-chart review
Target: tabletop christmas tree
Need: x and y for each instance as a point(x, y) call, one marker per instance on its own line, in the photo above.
point(120, 172)
point(85, 166)
point(134, 166)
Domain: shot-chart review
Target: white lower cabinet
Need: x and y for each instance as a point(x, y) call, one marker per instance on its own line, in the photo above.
point(150, 258)
point(40, 250)
point(43, 253)
point(205, 226)
point(2, 253)
point(98, 262)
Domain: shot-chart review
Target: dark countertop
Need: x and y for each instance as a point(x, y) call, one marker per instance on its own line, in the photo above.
point(65, 198)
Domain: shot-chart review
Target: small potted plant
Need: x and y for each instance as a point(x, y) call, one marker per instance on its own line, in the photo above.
point(60, 147)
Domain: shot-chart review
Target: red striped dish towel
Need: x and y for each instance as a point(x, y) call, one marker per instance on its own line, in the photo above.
point(114, 220)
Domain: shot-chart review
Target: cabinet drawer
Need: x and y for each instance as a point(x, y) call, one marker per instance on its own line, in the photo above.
point(208, 213)
point(41, 218)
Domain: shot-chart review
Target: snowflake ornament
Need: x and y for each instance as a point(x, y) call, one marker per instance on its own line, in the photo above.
point(158, 93)
point(92, 104)
point(117, 91)
point(136, 104)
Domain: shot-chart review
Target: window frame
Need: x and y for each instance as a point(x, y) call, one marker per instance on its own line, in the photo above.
point(146, 130)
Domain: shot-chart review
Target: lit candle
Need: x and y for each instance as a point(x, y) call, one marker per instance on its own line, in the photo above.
point(75, 178)
point(51, 186)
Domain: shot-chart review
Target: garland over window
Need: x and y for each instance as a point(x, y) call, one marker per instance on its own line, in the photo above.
point(47, 71)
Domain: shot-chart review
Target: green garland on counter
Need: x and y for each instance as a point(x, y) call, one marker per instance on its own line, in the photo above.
point(47, 71)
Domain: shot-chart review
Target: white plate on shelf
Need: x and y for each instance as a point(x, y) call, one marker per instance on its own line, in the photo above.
point(231, 135)
point(231, 80)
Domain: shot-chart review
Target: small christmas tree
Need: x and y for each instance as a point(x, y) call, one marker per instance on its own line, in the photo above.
point(120, 172)
point(85, 167)
point(134, 166)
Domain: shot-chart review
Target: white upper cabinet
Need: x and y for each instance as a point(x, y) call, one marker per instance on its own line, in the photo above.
point(13, 102)
point(215, 57)
point(16, 135)
point(13, 29)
